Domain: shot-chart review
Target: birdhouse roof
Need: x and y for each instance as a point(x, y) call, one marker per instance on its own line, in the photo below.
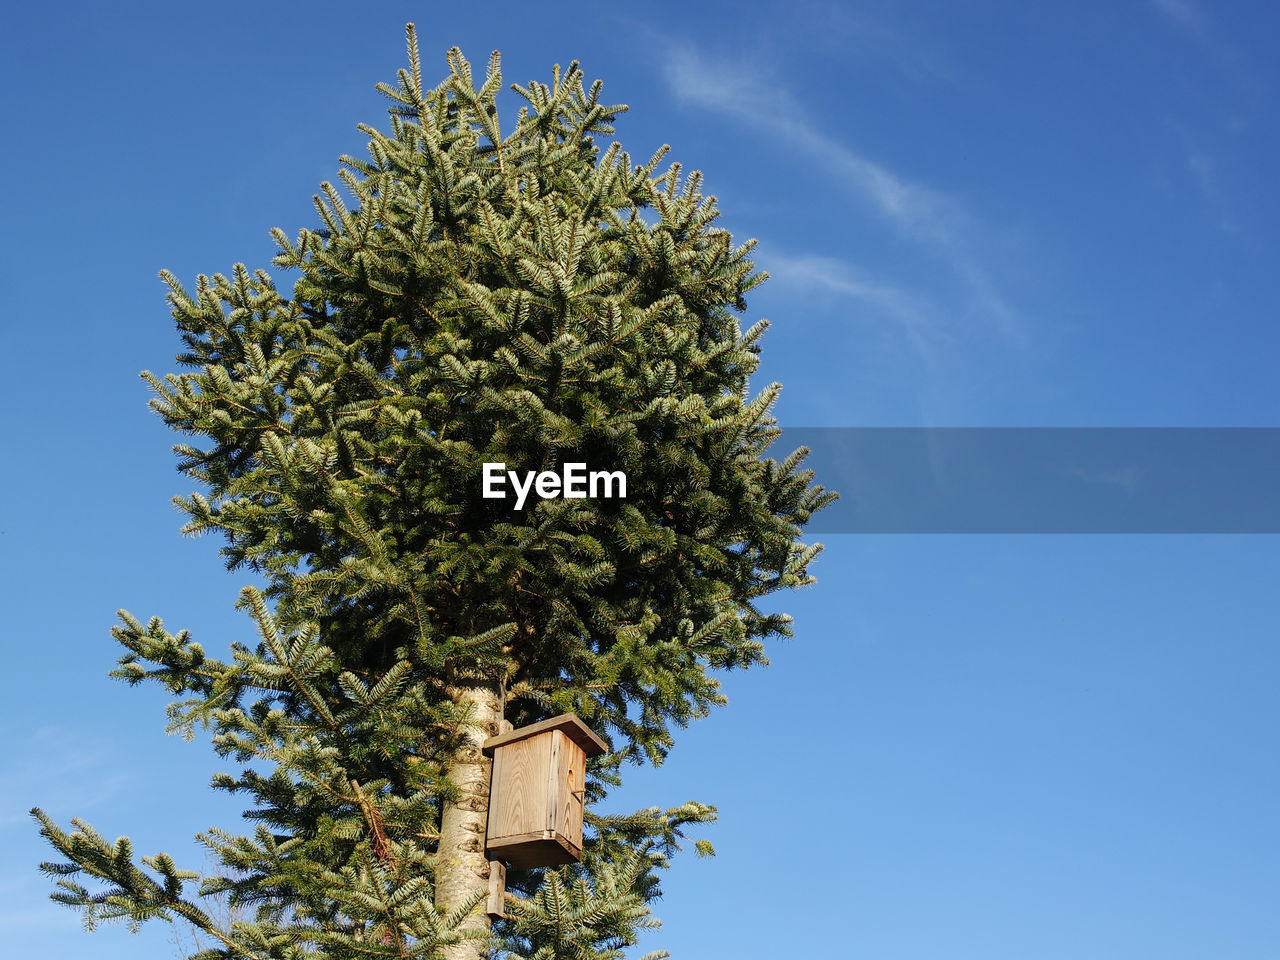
point(566, 723)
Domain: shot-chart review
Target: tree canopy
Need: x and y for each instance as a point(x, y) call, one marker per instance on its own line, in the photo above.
point(533, 298)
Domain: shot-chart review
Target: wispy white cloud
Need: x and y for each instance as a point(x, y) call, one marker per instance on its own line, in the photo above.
point(58, 771)
point(1183, 13)
point(740, 93)
point(914, 318)
point(1203, 174)
point(911, 209)
point(1202, 171)
point(899, 44)
point(1190, 18)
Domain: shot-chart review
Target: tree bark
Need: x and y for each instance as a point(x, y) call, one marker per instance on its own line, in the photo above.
point(462, 869)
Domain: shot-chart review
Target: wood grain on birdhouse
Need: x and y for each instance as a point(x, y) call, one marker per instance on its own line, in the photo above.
point(536, 794)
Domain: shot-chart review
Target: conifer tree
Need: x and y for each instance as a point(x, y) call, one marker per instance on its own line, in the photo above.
point(532, 298)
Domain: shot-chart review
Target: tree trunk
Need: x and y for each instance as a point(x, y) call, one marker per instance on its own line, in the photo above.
point(462, 870)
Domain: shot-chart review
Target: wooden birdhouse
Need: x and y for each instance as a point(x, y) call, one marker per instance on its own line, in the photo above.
point(536, 794)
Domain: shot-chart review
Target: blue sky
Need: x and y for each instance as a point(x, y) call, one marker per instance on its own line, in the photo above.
point(975, 214)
